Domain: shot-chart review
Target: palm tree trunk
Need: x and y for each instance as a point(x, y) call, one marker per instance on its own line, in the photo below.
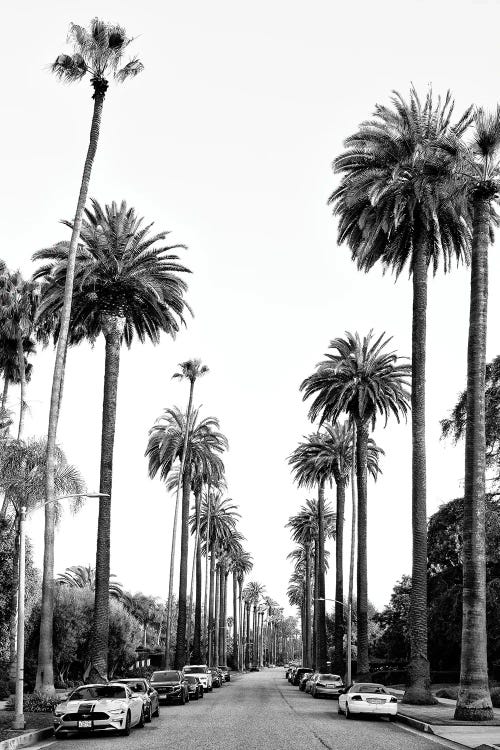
point(351, 559)
point(113, 330)
point(314, 644)
point(13, 609)
point(211, 609)
point(247, 647)
point(474, 701)
point(189, 618)
point(363, 666)
point(223, 617)
point(236, 624)
point(217, 615)
point(224, 649)
point(22, 378)
point(206, 618)
point(4, 393)
point(339, 577)
point(419, 689)
point(197, 655)
point(45, 669)
point(321, 636)
point(307, 605)
point(168, 632)
point(180, 645)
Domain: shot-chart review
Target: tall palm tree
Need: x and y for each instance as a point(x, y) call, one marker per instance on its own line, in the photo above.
point(97, 51)
point(19, 301)
point(231, 547)
point(303, 531)
point(165, 447)
point(83, 577)
point(362, 379)
point(482, 169)
point(254, 593)
point(126, 283)
point(399, 204)
point(241, 564)
point(191, 370)
point(9, 363)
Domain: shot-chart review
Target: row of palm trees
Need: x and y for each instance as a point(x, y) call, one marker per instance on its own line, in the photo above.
point(418, 189)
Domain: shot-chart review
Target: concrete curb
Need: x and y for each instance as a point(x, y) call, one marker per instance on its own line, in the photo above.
point(26, 740)
point(422, 726)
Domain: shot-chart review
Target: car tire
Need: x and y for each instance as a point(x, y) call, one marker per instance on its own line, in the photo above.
point(196, 696)
point(348, 714)
point(126, 730)
point(157, 712)
point(148, 716)
point(59, 736)
point(142, 720)
point(339, 711)
point(315, 694)
point(210, 688)
point(182, 699)
point(202, 693)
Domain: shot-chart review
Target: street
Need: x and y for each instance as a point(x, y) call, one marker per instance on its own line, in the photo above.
point(255, 711)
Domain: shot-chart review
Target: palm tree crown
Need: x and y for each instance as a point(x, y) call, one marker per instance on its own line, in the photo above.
point(360, 379)
point(120, 271)
point(98, 51)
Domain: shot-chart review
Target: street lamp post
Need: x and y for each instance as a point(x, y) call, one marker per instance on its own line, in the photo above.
point(18, 721)
point(349, 634)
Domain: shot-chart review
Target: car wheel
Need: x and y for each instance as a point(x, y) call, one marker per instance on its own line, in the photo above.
point(157, 712)
point(149, 715)
point(339, 711)
point(315, 694)
point(59, 736)
point(182, 699)
point(126, 730)
point(140, 725)
point(202, 693)
point(348, 714)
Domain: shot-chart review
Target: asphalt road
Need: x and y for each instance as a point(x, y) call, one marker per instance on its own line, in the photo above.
point(254, 712)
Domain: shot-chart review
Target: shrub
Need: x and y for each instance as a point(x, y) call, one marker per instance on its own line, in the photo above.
point(451, 693)
point(495, 697)
point(37, 703)
point(142, 672)
point(4, 690)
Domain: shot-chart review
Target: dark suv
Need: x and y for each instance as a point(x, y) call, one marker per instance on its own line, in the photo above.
point(170, 686)
point(299, 673)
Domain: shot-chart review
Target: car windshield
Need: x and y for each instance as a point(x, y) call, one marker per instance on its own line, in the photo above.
point(368, 688)
point(164, 676)
point(194, 670)
point(136, 687)
point(330, 677)
point(96, 692)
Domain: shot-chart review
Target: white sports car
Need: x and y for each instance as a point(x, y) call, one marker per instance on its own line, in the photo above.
point(368, 698)
point(91, 708)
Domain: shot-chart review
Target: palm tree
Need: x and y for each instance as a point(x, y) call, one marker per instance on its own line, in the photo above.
point(19, 301)
point(165, 446)
point(231, 547)
point(241, 564)
point(22, 479)
point(303, 532)
point(83, 577)
point(398, 203)
point(97, 51)
point(482, 168)
point(254, 593)
point(125, 284)
point(9, 363)
point(190, 370)
point(363, 380)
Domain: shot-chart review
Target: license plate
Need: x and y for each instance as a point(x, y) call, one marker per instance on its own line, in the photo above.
point(375, 700)
point(84, 725)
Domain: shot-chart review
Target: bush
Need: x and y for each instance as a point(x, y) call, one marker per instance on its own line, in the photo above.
point(4, 690)
point(142, 672)
point(37, 703)
point(451, 693)
point(391, 677)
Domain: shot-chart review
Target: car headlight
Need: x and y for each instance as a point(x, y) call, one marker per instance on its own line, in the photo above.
point(393, 700)
point(59, 712)
point(116, 711)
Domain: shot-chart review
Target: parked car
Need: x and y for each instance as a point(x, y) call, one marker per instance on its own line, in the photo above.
point(326, 684)
point(203, 673)
point(299, 673)
point(195, 688)
point(254, 668)
point(303, 680)
point(140, 686)
point(217, 679)
point(109, 708)
point(291, 674)
point(367, 698)
point(225, 673)
point(171, 686)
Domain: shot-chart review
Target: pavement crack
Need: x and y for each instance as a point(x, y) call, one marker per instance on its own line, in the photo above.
point(292, 708)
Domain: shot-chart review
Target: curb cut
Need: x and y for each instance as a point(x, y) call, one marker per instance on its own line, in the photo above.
point(26, 740)
point(422, 726)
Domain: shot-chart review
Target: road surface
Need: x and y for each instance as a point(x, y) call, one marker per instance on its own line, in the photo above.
point(257, 711)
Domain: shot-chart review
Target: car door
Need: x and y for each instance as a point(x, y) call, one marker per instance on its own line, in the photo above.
point(153, 695)
point(135, 703)
point(342, 701)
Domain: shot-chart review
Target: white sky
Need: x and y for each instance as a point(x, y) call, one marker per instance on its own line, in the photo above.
point(226, 139)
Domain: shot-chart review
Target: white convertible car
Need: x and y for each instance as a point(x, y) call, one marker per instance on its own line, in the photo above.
point(367, 698)
point(91, 708)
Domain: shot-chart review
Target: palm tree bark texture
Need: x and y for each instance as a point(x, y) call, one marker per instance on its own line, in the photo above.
point(474, 701)
point(321, 619)
point(180, 645)
point(363, 667)
point(197, 656)
point(113, 330)
point(419, 690)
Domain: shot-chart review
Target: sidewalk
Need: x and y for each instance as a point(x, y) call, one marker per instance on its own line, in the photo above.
point(439, 720)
